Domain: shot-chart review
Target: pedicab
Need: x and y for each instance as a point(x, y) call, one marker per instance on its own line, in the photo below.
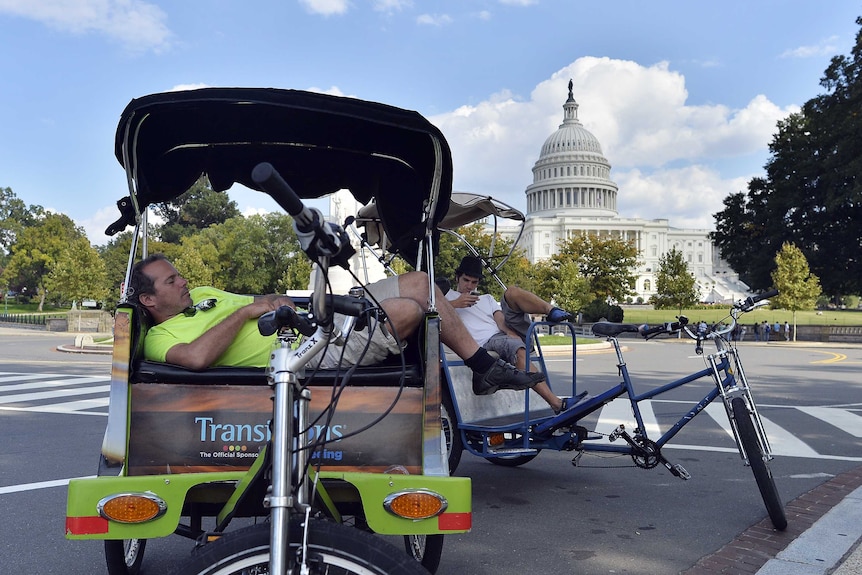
point(511, 428)
point(320, 462)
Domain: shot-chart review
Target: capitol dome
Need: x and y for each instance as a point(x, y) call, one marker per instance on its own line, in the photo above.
point(572, 175)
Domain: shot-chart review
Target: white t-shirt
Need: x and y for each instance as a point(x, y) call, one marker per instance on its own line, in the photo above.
point(479, 319)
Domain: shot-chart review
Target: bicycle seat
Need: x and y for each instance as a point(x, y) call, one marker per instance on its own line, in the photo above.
point(608, 329)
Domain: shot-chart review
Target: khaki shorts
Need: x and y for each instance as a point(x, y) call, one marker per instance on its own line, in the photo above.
point(382, 344)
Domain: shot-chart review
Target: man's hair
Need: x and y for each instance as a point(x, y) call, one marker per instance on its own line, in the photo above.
point(140, 283)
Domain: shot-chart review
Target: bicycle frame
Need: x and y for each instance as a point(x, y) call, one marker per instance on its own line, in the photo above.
point(724, 367)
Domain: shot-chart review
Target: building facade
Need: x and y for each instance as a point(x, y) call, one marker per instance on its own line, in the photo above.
point(572, 193)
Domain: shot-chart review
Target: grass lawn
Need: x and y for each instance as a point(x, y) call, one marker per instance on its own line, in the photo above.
point(714, 314)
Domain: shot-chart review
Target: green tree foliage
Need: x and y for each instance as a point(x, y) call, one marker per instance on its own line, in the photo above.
point(798, 289)
point(115, 256)
point(607, 263)
point(37, 250)
point(562, 283)
point(195, 210)
point(675, 286)
point(15, 215)
point(78, 274)
point(258, 254)
point(812, 193)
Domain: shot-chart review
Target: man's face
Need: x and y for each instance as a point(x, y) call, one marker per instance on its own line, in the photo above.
point(466, 283)
point(171, 290)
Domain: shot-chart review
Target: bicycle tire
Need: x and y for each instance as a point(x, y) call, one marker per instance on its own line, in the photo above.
point(759, 465)
point(124, 556)
point(333, 549)
point(426, 549)
point(454, 444)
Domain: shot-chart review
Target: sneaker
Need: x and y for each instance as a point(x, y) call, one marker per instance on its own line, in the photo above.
point(504, 375)
point(570, 402)
point(557, 315)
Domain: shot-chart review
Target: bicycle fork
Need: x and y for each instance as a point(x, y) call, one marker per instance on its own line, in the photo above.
point(736, 385)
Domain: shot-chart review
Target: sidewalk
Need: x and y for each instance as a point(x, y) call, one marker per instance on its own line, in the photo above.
point(823, 537)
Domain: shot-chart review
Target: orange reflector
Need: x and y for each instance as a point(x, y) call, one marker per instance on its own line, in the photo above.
point(132, 507)
point(415, 504)
point(496, 439)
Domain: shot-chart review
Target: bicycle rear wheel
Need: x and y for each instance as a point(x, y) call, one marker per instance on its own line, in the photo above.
point(759, 465)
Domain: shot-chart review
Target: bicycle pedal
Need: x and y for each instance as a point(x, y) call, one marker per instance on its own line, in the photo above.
point(680, 472)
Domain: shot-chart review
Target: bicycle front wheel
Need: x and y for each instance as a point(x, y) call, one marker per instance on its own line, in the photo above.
point(332, 550)
point(759, 465)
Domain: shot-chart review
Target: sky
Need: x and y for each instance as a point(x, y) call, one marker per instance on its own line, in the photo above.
point(683, 96)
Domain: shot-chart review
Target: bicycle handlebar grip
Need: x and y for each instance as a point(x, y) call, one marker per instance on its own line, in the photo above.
point(669, 327)
point(284, 316)
point(267, 177)
point(348, 305)
point(750, 301)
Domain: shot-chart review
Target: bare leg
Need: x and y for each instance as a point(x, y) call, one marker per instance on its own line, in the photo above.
point(525, 301)
point(414, 285)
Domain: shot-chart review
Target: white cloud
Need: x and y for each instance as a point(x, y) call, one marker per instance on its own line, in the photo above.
point(664, 153)
point(390, 6)
point(326, 7)
point(826, 47)
point(434, 19)
point(519, 2)
point(137, 24)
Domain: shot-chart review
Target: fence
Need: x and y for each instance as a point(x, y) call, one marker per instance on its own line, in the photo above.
point(75, 320)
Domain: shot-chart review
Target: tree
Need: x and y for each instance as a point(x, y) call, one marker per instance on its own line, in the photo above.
point(78, 274)
point(194, 210)
point(798, 289)
point(675, 286)
point(812, 194)
point(15, 215)
point(258, 254)
point(563, 284)
point(37, 250)
point(607, 263)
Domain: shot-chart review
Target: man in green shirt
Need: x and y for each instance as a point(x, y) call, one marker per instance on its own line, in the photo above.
point(204, 327)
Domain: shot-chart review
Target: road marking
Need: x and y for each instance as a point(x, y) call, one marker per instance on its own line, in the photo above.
point(843, 419)
point(73, 380)
point(37, 396)
point(39, 485)
point(836, 357)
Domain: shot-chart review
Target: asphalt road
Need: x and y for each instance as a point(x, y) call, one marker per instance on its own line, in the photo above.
point(604, 516)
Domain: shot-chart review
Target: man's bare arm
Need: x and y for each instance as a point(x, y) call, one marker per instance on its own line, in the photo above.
point(202, 352)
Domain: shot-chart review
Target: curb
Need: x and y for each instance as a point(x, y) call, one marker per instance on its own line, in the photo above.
point(760, 549)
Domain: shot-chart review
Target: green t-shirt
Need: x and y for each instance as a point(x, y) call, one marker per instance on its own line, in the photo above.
point(249, 348)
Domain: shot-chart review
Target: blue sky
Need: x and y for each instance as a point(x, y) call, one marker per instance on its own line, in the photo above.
point(683, 96)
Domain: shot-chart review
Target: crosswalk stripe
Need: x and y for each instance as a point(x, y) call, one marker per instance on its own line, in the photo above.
point(72, 406)
point(38, 396)
point(782, 441)
point(619, 411)
point(51, 383)
point(843, 419)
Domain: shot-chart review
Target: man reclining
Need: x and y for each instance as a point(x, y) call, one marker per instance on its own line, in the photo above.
point(206, 327)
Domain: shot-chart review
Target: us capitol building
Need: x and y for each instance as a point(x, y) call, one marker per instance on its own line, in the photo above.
point(572, 193)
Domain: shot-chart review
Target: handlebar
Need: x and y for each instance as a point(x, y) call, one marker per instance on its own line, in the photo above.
point(267, 177)
point(738, 308)
point(671, 327)
point(286, 316)
point(750, 303)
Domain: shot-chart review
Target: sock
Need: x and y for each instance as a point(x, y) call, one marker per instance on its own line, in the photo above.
point(480, 362)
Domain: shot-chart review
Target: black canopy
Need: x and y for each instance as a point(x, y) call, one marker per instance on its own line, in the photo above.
point(318, 143)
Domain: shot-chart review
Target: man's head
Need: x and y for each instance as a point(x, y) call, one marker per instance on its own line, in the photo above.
point(468, 274)
point(157, 287)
